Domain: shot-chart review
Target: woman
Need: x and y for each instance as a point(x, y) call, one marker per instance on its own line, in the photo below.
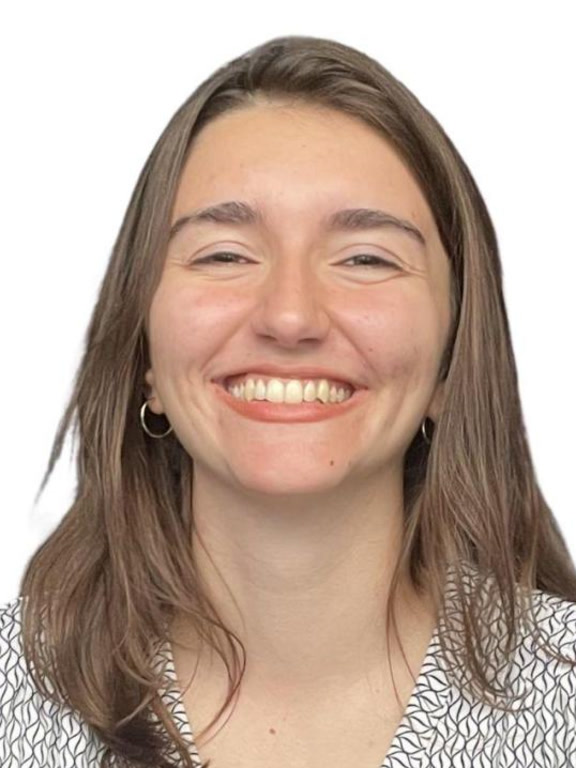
point(300, 436)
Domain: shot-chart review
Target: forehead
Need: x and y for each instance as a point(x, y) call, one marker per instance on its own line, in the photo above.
point(298, 160)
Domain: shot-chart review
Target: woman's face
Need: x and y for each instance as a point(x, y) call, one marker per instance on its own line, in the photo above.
point(287, 294)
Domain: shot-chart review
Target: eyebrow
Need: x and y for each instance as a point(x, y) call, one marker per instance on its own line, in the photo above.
point(345, 220)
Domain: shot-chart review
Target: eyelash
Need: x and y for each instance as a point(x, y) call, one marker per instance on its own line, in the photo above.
point(381, 262)
point(211, 258)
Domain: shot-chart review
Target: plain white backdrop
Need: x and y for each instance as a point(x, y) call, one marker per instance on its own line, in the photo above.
point(88, 88)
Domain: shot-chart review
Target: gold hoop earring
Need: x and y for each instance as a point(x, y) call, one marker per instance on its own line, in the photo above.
point(145, 427)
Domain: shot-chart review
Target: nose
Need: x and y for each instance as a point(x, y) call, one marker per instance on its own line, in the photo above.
point(290, 307)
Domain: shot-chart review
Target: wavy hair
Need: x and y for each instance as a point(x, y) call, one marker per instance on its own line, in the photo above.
point(120, 562)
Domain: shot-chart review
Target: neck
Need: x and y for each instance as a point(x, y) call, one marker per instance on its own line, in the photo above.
point(303, 580)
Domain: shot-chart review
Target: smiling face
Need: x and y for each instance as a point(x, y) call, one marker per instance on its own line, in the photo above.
point(282, 285)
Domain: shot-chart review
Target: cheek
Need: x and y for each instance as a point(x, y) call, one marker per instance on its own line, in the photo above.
point(187, 323)
point(400, 337)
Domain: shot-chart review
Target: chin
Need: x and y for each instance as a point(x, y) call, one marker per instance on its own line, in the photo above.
point(280, 480)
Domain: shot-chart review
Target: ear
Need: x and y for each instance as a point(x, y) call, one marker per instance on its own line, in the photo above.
point(154, 402)
point(437, 402)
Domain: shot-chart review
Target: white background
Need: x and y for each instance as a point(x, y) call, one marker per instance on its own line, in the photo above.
point(86, 90)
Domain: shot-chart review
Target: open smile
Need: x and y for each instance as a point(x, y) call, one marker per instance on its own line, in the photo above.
point(263, 410)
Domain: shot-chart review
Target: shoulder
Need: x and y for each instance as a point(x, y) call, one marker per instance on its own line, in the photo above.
point(547, 644)
point(538, 726)
point(543, 674)
point(10, 616)
point(35, 730)
point(12, 665)
point(540, 668)
point(556, 618)
point(551, 620)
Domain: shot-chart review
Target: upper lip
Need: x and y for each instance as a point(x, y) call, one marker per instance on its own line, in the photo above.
point(300, 372)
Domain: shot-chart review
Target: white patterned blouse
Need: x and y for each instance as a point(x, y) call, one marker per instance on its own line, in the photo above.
point(442, 726)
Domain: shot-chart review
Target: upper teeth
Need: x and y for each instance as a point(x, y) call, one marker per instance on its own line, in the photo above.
point(292, 391)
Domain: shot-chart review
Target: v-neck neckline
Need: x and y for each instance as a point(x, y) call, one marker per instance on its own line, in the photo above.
point(428, 703)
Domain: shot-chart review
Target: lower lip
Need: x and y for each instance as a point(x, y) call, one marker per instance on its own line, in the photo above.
point(262, 410)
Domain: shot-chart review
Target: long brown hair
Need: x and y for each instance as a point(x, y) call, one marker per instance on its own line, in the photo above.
point(101, 590)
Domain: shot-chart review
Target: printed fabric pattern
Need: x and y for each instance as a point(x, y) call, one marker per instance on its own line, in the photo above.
point(443, 725)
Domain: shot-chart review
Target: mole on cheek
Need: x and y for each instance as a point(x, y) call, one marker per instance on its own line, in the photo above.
point(272, 731)
point(331, 462)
